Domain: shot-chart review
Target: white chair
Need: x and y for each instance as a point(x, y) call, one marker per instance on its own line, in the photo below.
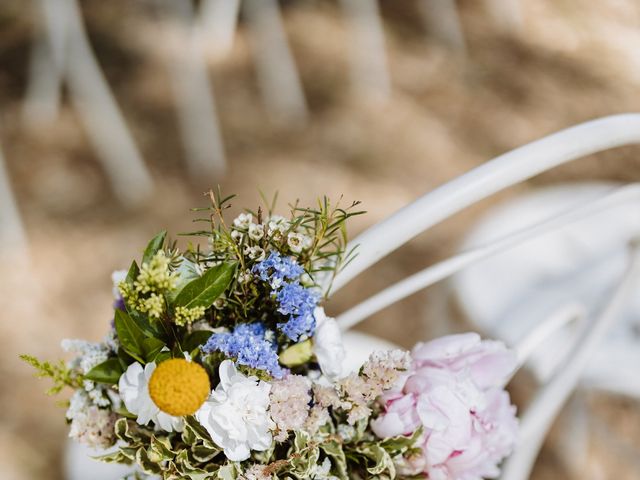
point(502, 172)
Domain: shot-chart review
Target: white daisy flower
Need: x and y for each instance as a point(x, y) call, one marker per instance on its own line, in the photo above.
point(236, 416)
point(134, 391)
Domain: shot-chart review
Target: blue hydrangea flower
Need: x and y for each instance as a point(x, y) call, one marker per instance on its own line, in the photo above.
point(248, 345)
point(299, 303)
point(275, 269)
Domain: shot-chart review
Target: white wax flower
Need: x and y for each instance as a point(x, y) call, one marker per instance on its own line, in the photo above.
point(327, 345)
point(298, 242)
point(236, 416)
point(243, 220)
point(134, 391)
point(256, 231)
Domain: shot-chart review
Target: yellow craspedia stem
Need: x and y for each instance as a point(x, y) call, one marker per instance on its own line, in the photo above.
point(179, 387)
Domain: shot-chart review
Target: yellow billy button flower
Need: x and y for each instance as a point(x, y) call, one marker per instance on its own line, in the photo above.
point(179, 387)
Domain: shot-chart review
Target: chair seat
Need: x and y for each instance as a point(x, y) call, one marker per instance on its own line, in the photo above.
point(506, 295)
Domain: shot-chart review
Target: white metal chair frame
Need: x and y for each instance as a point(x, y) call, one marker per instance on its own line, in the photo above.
point(481, 182)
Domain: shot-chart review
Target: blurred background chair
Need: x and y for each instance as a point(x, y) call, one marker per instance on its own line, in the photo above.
point(70, 59)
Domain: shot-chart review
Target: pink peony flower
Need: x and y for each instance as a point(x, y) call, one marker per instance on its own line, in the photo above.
point(455, 392)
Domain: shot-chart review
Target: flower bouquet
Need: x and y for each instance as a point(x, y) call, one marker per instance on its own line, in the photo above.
point(220, 363)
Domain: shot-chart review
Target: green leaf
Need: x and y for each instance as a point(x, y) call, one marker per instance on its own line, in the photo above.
point(204, 454)
point(147, 463)
point(203, 291)
point(123, 433)
point(151, 348)
point(195, 339)
point(150, 329)
point(130, 336)
point(197, 429)
point(382, 459)
point(133, 273)
point(163, 356)
point(401, 443)
point(124, 358)
point(162, 449)
point(227, 472)
point(114, 457)
point(108, 372)
point(333, 449)
point(154, 245)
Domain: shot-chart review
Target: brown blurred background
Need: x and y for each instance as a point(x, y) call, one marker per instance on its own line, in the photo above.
point(447, 111)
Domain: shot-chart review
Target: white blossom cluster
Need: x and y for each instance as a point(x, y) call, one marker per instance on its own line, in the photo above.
point(289, 404)
point(274, 226)
point(381, 372)
point(90, 424)
point(88, 356)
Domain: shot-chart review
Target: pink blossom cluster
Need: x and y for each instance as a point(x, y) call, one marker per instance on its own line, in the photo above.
point(289, 404)
point(380, 373)
point(455, 393)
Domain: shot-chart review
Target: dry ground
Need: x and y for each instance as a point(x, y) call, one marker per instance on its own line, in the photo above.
point(568, 63)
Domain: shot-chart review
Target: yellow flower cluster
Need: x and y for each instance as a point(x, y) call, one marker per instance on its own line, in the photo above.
point(146, 294)
point(179, 387)
point(185, 315)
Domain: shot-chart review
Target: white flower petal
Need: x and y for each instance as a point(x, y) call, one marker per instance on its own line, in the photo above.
point(327, 345)
point(236, 416)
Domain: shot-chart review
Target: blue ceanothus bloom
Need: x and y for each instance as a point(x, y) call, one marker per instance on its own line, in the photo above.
point(294, 300)
point(248, 345)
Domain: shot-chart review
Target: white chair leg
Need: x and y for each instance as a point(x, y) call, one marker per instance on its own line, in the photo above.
point(506, 14)
point(443, 23)
point(218, 20)
point(277, 74)
point(12, 234)
point(540, 414)
point(44, 87)
point(91, 96)
point(195, 103)
point(368, 60)
point(485, 180)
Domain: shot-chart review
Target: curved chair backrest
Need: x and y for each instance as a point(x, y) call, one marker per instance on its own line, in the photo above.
point(495, 175)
